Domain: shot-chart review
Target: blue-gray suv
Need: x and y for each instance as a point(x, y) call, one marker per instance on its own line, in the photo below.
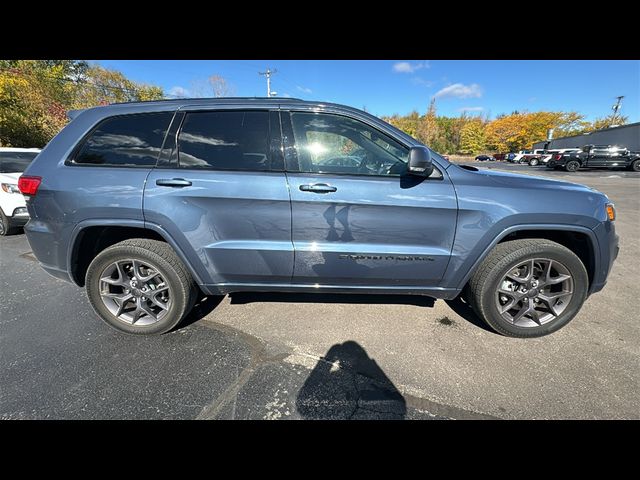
point(151, 205)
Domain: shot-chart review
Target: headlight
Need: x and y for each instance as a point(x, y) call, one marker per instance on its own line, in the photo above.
point(9, 187)
point(611, 211)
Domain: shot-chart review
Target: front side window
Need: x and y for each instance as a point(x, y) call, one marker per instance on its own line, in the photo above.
point(225, 140)
point(328, 143)
point(126, 141)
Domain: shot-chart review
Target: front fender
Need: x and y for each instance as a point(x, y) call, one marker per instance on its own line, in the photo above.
point(464, 264)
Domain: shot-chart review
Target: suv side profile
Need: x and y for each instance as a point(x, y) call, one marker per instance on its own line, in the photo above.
point(149, 205)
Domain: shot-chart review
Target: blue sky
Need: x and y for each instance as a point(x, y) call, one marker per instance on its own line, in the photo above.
point(385, 87)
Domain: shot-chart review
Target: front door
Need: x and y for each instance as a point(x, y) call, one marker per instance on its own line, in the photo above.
point(357, 218)
point(220, 191)
point(598, 157)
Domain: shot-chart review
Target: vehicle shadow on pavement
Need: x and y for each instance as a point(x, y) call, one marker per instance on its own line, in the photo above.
point(460, 307)
point(249, 297)
point(347, 384)
point(203, 307)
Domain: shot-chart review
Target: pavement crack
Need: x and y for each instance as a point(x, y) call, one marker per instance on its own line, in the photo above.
point(260, 355)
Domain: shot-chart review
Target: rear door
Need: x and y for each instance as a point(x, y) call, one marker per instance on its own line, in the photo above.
point(358, 219)
point(220, 191)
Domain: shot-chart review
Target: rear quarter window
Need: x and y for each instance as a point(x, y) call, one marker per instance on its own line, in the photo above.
point(125, 141)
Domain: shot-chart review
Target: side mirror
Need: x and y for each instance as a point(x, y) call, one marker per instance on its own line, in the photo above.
point(420, 162)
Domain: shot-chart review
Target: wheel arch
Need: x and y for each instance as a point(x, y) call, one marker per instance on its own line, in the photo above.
point(580, 240)
point(91, 237)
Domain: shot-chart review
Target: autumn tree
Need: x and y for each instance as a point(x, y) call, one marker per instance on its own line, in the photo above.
point(427, 131)
point(36, 95)
point(408, 123)
point(473, 139)
point(608, 121)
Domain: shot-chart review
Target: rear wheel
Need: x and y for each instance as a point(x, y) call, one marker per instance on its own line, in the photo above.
point(5, 226)
point(533, 162)
point(572, 166)
point(529, 288)
point(140, 286)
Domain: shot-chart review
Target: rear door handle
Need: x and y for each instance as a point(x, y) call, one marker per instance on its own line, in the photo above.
point(318, 188)
point(173, 182)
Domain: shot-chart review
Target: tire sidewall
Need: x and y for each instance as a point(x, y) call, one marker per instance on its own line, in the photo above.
point(112, 254)
point(635, 165)
point(580, 286)
point(5, 223)
point(574, 166)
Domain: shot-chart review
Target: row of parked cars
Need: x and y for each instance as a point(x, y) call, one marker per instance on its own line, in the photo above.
point(571, 159)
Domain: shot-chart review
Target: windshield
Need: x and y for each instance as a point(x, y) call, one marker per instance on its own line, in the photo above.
point(15, 162)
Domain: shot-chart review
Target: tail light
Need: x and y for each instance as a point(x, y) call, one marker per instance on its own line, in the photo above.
point(557, 157)
point(29, 185)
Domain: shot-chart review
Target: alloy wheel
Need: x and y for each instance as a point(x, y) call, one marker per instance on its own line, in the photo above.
point(135, 292)
point(534, 292)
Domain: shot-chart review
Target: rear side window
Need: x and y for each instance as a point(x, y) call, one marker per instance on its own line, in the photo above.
point(228, 140)
point(126, 141)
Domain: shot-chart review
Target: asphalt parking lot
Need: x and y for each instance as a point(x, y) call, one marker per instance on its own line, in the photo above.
point(295, 356)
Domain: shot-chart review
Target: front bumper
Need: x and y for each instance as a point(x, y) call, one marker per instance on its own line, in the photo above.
point(609, 246)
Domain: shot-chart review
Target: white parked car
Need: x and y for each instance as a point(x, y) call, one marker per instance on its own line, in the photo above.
point(13, 210)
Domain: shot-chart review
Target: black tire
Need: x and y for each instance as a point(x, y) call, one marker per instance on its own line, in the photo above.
point(173, 271)
point(486, 280)
point(572, 166)
point(533, 162)
point(635, 165)
point(5, 226)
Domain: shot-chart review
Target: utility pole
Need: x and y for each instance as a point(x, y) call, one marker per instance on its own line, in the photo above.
point(268, 74)
point(616, 107)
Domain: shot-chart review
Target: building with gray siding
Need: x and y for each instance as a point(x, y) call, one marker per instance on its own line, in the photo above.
point(624, 135)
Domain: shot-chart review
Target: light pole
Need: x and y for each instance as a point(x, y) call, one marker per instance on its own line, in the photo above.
point(268, 74)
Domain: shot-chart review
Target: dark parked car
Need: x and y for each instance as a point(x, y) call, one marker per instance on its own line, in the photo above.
point(151, 205)
point(485, 158)
point(597, 156)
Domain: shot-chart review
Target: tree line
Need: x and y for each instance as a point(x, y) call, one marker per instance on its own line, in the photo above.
point(473, 134)
point(35, 96)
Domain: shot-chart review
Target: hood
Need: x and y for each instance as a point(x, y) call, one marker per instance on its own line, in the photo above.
point(516, 180)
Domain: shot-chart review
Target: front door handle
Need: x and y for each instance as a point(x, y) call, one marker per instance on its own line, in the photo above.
point(173, 182)
point(318, 188)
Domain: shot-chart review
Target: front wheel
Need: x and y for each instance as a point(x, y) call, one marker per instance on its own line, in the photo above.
point(635, 166)
point(529, 288)
point(572, 166)
point(533, 162)
point(140, 286)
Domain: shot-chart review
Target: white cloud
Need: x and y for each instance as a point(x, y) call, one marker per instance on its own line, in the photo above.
point(422, 81)
point(459, 90)
point(179, 91)
point(286, 95)
point(471, 109)
point(304, 89)
point(406, 67)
